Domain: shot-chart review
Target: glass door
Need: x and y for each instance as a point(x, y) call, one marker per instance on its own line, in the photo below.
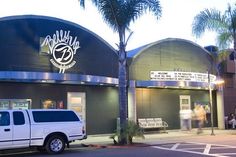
point(185, 112)
point(76, 102)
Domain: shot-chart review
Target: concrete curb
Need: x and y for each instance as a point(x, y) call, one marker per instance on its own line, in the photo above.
point(116, 146)
point(103, 141)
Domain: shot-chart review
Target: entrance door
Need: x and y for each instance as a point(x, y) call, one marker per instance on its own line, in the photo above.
point(185, 104)
point(76, 102)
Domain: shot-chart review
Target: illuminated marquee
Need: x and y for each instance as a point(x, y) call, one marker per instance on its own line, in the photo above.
point(62, 46)
point(180, 76)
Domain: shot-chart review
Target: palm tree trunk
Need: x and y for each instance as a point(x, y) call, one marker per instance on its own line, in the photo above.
point(122, 92)
point(234, 36)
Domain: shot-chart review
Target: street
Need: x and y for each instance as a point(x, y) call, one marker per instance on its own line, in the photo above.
point(173, 144)
point(111, 152)
point(167, 149)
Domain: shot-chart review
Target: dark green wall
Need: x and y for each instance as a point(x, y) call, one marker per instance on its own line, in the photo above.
point(164, 103)
point(101, 102)
point(21, 50)
point(169, 55)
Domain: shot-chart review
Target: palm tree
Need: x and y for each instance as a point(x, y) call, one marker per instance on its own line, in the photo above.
point(223, 24)
point(118, 14)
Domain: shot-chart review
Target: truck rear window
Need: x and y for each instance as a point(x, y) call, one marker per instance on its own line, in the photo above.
point(4, 119)
point(55, 116)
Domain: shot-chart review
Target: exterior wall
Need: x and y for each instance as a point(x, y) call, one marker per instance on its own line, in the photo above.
point(22, 50)
point(228, 73)
point(229, 100)
point(164, 103)
point(169, 55)
point(22, 36)
point(160, 99)
point(101, 102)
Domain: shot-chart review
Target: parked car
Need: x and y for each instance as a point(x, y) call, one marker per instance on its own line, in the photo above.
point(49, 130)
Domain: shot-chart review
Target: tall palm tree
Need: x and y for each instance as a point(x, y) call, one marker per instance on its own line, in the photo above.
point(118, 14)
point(224, 24)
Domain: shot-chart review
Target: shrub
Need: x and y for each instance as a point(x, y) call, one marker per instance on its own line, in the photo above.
point(131, 130)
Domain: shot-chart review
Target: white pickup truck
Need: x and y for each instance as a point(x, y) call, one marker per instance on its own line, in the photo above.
point(49, 130)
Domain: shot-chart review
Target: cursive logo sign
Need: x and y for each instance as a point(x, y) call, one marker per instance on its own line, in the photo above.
point(62, 47)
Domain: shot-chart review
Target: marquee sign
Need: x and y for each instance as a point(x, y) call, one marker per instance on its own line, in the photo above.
point(62, 46)
point(180, 76)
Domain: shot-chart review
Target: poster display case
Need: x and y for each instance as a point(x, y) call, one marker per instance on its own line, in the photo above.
point(15, 104)
point(52, 104)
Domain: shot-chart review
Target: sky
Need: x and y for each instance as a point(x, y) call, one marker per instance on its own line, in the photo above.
point(176, 20)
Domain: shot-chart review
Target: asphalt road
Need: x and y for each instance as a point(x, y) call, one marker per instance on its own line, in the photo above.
point(110, 152)
point(179, 149)
point(173, 144)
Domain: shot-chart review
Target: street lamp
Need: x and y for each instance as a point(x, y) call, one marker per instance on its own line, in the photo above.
point(217, 81)
point(210, 101)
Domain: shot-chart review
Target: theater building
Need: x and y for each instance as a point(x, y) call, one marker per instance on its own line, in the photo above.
point(170, 75)
point(51, 63)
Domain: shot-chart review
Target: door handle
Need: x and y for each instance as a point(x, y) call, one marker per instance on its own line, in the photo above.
point(6, 130)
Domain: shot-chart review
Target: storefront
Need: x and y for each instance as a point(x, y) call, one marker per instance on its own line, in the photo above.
point(51, 63)
point(171, 75)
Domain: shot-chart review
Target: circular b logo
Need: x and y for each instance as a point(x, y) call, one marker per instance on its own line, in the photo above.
point(63, 54)
point(62, 47)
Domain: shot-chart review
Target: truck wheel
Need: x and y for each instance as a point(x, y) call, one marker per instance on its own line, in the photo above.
point(55, 145)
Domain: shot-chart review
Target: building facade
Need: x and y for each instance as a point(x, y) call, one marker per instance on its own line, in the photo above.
point(51, 63)
point(171, 75)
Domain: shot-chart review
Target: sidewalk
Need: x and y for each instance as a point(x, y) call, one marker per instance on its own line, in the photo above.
point(172, 136)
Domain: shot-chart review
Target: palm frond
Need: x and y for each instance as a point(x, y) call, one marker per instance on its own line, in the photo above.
point(136, 8)
point(153, 6)
point(224, 39)
point(210, 19)
point(118, 14)
point(223, 55)
point(82, 3)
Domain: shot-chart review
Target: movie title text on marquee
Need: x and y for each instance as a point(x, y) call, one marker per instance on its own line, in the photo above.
point(180, 76)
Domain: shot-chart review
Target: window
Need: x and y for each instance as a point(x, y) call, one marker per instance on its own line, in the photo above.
point(185, 101)
point(4, 119)
point(55, 116)
point(18, 118)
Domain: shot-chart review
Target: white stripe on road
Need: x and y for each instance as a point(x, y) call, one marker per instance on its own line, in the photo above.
point(186, 151)
point(175, 146)
point(221, 145)
point(207, 149)
point(226, 154)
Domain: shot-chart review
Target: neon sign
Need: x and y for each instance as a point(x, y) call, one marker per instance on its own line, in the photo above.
point(62, 46)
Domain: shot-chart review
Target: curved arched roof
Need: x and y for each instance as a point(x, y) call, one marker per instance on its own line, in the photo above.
point(170, 54)
point(20, 17)
point(21, 39)
point(133, 53)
